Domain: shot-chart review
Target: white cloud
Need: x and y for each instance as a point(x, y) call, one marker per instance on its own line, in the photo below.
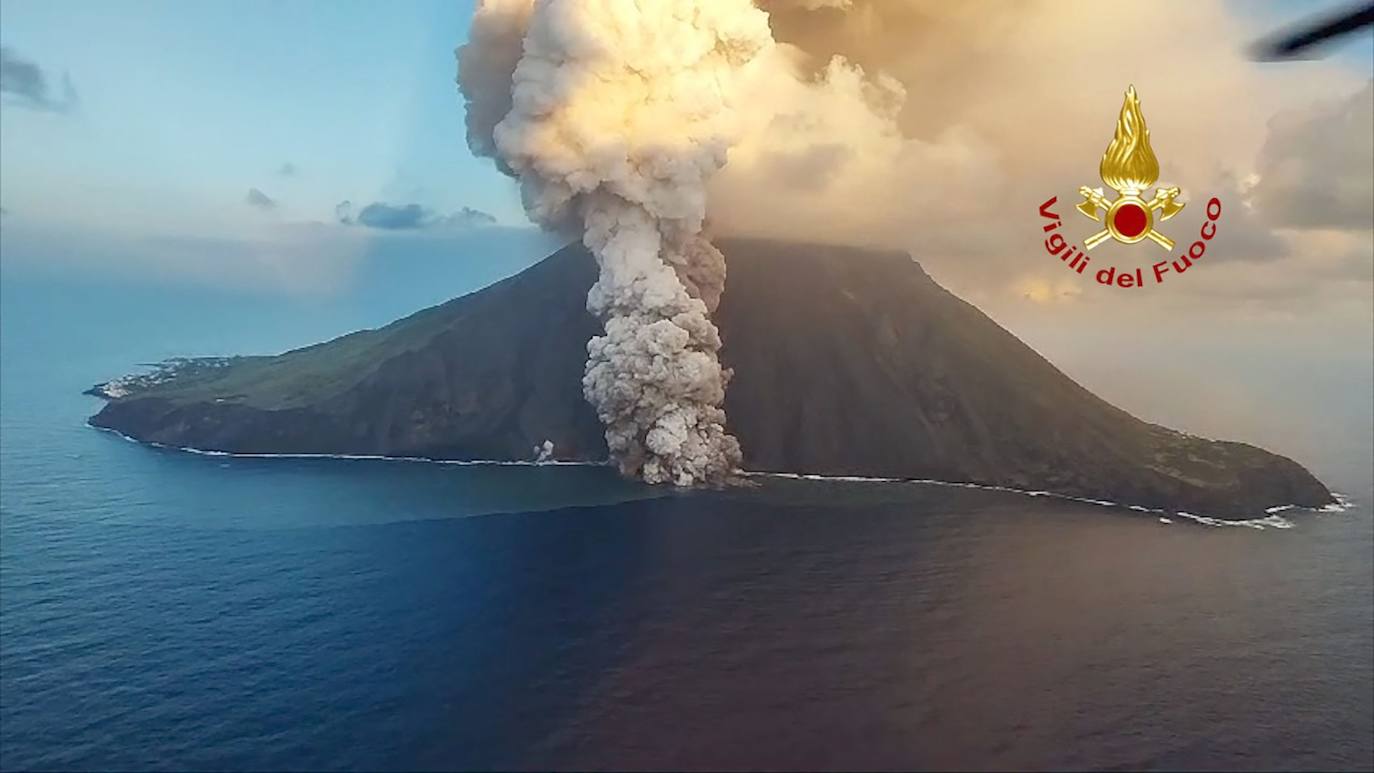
point(1316, 169)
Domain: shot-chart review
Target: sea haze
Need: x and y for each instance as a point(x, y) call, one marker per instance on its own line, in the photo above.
point(167, 610)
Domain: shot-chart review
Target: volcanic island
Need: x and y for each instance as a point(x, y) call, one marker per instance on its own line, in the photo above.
point(846, 362)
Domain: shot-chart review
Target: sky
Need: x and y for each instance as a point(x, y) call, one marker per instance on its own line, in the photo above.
point(182, 108)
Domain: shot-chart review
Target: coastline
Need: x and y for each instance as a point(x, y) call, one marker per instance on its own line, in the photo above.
point(1271, 520)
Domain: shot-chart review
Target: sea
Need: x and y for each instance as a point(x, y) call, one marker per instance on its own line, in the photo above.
point(166, 610)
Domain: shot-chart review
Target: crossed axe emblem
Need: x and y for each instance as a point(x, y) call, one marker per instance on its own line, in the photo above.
point(1126, 225)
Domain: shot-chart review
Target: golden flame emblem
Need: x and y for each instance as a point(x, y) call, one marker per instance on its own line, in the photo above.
point(1129, 167)
point(1129, 163)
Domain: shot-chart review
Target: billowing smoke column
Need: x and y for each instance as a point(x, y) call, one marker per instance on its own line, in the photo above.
point(613, 114)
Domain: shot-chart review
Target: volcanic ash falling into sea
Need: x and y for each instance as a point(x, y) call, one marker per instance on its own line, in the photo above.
point(613, 115)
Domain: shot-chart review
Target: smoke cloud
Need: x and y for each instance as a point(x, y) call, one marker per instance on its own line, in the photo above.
point(911, 124)
point(928, 126)
point(613, 116)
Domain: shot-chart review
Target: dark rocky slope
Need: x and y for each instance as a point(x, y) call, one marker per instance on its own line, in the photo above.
point(846, 361)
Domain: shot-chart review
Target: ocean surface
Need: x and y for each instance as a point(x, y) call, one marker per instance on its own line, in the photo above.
point(167, 610)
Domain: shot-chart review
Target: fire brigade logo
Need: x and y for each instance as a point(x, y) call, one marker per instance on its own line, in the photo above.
point(1129, 167)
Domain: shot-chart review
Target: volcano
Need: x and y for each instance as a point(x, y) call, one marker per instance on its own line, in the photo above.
point(846, 361)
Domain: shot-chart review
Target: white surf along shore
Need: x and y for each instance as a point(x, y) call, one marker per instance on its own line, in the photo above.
point(1271, 520)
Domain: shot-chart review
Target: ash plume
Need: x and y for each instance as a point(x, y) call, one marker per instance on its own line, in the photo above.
point(613, 116)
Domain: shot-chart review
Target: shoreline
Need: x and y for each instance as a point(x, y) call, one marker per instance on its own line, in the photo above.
point(1271, 520)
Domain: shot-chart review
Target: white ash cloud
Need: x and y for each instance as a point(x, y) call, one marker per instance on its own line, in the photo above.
point(486, 69)
point(941, 127)
point(616, 116)
point(806, 5)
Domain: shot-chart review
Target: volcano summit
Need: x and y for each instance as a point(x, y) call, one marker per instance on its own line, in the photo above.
point(846, 362)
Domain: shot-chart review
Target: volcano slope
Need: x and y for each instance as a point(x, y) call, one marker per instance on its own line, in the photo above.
point(846, 362)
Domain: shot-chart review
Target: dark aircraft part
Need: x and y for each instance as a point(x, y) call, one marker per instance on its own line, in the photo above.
point(1297, 41)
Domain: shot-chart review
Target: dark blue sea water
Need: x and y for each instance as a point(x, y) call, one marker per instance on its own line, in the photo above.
point(165, 610)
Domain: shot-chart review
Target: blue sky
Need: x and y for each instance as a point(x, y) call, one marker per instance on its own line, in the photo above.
point(183, 107)
point(186, 106)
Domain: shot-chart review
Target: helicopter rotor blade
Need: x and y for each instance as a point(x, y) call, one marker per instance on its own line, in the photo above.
point(1297, 40)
